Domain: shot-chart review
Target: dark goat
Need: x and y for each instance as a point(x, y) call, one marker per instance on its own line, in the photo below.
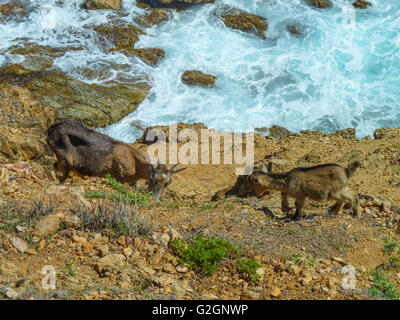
point(92, 153)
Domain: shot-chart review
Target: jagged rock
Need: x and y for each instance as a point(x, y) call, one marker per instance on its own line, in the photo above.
point(10, 293)
point(122, 36)
point(193, 77)
point(161, 239)
point(72, 221)
point(103, 4)
point(19, 244)
point(348, 133)
point(362, 4)
point(175, 4)
point(238, 19)
point(12, 9)
point(293, 30)
point(312, 132)
point(24, 122)
point(151, 56)
point(321, 4)
point(103, 251)
point(276, 292)
point(278, 132)
point(154, 17)
point(39, 57)
point(110, 263)
point(47, 226)
point(384, 133)
point(66, 194)
point(93, 105)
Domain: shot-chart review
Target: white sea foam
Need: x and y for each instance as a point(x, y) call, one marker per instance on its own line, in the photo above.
point(332, 77)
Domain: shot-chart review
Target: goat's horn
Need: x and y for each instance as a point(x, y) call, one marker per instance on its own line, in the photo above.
point(174, 169)
point(263, 168)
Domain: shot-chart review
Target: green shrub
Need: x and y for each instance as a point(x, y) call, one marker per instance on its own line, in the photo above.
point(204, 253)
point(382, 287)
point(123, 195)
point(249, 268)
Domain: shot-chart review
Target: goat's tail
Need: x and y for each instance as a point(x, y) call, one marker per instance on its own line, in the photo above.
point(352, 168)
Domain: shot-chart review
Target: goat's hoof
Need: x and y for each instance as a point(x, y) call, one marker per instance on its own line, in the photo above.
point(297, 217)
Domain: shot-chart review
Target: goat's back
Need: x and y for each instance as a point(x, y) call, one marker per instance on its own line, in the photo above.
point(317, 182)
point(81, 148)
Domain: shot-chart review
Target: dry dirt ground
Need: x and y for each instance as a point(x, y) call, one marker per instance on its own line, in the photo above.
point(40, 225)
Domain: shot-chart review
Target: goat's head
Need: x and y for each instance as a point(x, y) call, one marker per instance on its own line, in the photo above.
point(160, 178)
point(258, 179)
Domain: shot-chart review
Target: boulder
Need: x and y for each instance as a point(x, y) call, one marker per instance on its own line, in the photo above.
point(154, 17)
point(123, 36)
point(320, 4)
point(93, 105)
point(11, 10)
point(65, 195)
point(175, 4)
point(362, 4)
point(19, 244)
point(279, 132)
point(348, 133)
point(110, 263)
point(24, 122)
point(47, 226)
point(193, 77)
point(38, 57)
point(102, 4)
point(151, 56)
point(240, 20)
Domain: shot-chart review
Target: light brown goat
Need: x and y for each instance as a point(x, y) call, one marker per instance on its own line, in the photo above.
point(321, 183)
point(92, 153)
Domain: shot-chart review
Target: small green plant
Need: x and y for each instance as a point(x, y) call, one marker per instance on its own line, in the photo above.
point(298, 259)
point(95, 194)
point(390, 245)
point(382, 287)
point(391, 248)
point(13, 215)
point(124, 195)
point(204, 253)
point(207, 206)
point(249, 267)
point(70, 267)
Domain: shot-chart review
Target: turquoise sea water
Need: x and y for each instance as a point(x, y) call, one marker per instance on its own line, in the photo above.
point(335, 75)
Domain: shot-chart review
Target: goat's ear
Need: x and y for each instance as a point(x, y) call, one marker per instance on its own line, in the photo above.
point(174, 169)
point(263, 168)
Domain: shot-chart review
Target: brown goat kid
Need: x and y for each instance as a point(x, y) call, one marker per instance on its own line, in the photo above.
point(92, 153)
point(321, 183)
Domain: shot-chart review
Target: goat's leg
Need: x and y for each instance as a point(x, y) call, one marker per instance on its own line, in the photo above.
point(58, 166)
point(337, 207)
point(354, 202)
point(285, 203)
point(134, 184)
point(299, 208)
point(339, 202)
